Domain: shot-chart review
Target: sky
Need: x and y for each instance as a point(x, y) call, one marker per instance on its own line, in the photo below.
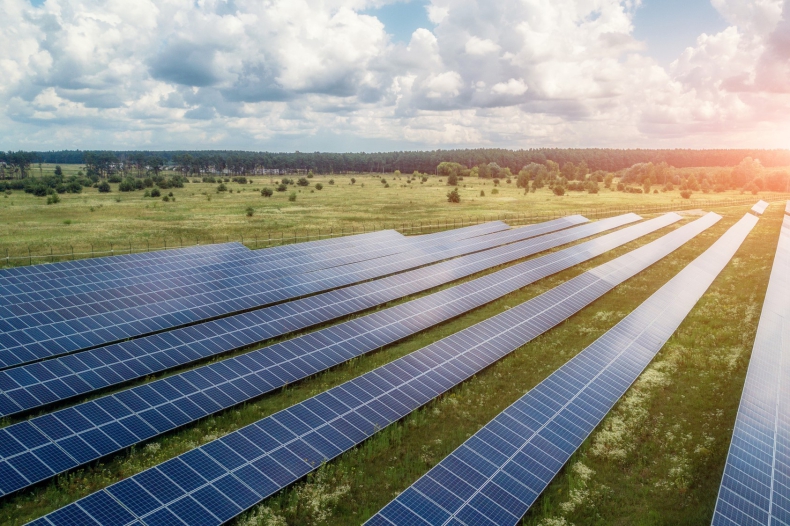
point(383, 75)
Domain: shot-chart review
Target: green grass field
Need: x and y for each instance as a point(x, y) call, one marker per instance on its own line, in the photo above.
point(656, 459)
point(122, 221)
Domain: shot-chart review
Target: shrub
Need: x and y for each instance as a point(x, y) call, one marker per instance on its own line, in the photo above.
point(508, 180)
point(114, 178)
point(53, 199)
point(127, 185)
point(496, 182)
point(452, 180)
point(166, 198)
point(147, 193)
point(155, 192)
point(331, 181)
point(250, 211)
point(592, 187)
point(58, 170)
point(387, 185)
point(685, 194)
point(353, 180)
point(285, 180)
point(495, 191)
point(319, 186)
point(383, 181)
point(454, 196)
point(104, 187)
point(222, 188)
point(303, 181)
point(559, 190)
point(240, 180)
point(292, 197)
point(282, 188)
point(209, 179)
point(482, 193)
point(73, 187)
point(266, 192)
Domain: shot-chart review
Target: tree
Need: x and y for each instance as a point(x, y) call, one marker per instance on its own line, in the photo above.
point(685, 194)
point(568, 171)
point(58, 170)
point(646, 184)
point(746, 171)
point(558, 190)
point(607, 180)
point(454, 196)
point(452, 180)
point(483, 171)
point(266, 192)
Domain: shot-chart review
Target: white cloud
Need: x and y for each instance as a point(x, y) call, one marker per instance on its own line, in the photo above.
point(312, 74)
point(480, 46)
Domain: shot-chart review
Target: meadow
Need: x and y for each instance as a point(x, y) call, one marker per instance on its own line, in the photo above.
point(119, 222)
point(656, 459)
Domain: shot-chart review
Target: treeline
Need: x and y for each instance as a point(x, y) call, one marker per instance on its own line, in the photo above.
point(240, 162)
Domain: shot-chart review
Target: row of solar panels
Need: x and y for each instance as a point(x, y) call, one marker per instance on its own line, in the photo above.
point(217, 481)
point(91, 430)
point(36, 336)
point(86, 432)
point(217, 265)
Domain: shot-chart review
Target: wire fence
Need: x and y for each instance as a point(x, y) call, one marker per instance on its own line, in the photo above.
point(14, 256)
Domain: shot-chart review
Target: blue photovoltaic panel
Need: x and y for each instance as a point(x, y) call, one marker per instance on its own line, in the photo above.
point(760, 207)
point(150, 278)
point(222, 478)
point(755, 488)
point(177, 400)
point(36, 338)
point(19, 290)
point(28, 273)
point(27, 387)
point(43, 296)
point(497, 474)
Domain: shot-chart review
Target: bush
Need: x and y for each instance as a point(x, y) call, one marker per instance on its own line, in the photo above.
point(454, 196)
point(114, 178)
point(508, 180)
point(303, 181)
point(285, 180)
point(495, 191)
point(292, 197)
point(496, 182)
point(209, 179)
point(53, 199)
point(240, 180)
point(104, 187)
point(452, 180)
point(155, 192)
point(266, 192)
point(319, 186)
point(353, 180)
point(58, 170)
point(685, 194)
point(250, 211)
point(282, 188)
point(222, 188)
point(74, 187)
point(166, 199)
point(130, 185)
point(559, 190)
point(331, 181)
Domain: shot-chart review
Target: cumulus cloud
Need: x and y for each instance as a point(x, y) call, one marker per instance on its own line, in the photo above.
point(313, 74)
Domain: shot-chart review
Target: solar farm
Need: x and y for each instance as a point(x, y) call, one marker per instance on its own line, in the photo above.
point(484, 375)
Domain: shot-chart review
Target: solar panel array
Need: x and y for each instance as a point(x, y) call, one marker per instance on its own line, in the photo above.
point(37, 336)
point(497, 474)
point(217, 481)
point(31, 386)
point(760, 207)
point(184, 398)
point(755, 487)
point(151, 278)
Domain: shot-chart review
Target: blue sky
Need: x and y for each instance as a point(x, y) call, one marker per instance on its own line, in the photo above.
point(312, 75)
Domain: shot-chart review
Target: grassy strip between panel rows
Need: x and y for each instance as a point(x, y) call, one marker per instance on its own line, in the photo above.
point(352, 488)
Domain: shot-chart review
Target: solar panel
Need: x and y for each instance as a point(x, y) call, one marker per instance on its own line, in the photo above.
point(499, 472)
point(755, 488)
point(220, 479)
point(157, 279)
point(37, 337)
point(278, 365)
point(760, 207)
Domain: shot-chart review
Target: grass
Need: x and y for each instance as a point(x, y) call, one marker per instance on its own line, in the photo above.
point(92, 222)
point(669, 475)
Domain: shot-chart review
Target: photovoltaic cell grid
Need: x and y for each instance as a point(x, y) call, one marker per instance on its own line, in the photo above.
point(217, 481)
point(34, 385)
point(760, 207)
point(251, 266)
point(17, 291)
point(80, 266)
point(497, 474)
point(755, 488)
point(189, 396)
point(80, 290)
point(72, 330)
